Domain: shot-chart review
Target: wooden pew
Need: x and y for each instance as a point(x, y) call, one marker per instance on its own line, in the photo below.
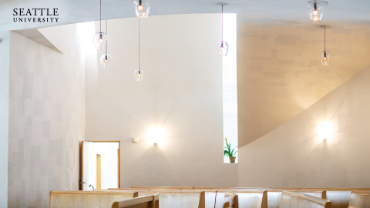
point(217, 200)
point(87, 199)
point(339, 199)
point(295, 200)
point(251, 199)
point(274, 196)
point(360, 199)
point(151, 201)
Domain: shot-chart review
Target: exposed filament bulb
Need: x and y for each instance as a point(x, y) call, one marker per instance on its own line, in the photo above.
point(140, 7)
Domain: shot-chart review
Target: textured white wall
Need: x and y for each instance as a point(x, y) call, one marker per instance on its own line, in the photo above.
point(293, 155)
point(181, 92)
point(4, 116)
point(46, 116)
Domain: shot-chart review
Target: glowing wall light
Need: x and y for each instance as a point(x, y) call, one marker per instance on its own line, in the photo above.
point(155, 135)
point(324, 131)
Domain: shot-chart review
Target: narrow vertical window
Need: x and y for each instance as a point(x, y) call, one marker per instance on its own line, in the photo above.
point(230, 95)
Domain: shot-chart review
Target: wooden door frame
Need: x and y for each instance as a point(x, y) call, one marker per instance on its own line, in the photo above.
point(82, 159)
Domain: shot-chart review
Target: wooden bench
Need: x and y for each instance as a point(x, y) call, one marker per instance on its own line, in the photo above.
point(360, 199)
point(251, 199)
point(151, 201)
point(87, 199)
point(274, 196)
point(295, 200)
point(217, 200)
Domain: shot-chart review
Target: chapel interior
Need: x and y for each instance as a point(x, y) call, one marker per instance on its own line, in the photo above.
point(185, 103)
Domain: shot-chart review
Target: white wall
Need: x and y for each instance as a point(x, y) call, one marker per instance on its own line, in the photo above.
point(181, 93)
point(4, 116)
point(46, 116)
point(294, 156)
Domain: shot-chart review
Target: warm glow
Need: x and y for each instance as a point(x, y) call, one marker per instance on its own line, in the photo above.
point(221, 48)
point(155, 135)
point(106, 60)
point(139, 75)
point(100, 40)
point(324, 131)
point(315, 19)
point(315, 12)
point(140, 7)
point(325, 58)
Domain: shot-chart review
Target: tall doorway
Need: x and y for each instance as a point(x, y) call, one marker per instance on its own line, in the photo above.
point(100, 168)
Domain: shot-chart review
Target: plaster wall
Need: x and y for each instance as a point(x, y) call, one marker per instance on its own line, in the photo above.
point(4, 116)
point(46, 116)
point(293, 155)
point(181, 93)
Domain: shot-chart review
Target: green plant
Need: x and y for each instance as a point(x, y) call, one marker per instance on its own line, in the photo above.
point(228, 151)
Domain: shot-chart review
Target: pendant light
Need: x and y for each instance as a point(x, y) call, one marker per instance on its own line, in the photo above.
point(316, 10)
point(325, 55)
point(139, 73)
point(99, 38)
point(222, 46)
point(142, 8)
point(106, 59)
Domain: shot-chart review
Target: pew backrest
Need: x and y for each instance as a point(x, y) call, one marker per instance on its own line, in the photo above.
point(339, 199)
point(251, 199)
point(274, 196)
point(360, 199)
point(215, 199)
point(151, 201)
point(86, 199)
point(295, 200)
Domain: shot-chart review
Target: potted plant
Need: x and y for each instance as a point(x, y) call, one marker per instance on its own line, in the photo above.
point(231, 153)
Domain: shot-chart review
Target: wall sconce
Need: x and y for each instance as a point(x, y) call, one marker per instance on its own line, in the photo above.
point(135, 140)
point(155, 135)
point(324, 131)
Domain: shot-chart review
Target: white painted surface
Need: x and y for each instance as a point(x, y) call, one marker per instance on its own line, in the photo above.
point(293, 155)
point(180, 93)
point(46, 116)
point(109, 161)
point(4, 116)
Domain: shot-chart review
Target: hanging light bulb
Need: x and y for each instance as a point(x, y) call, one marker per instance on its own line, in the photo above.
point(316, 9)
point(222, 46)
point(139, 73)
point(106, 59)
point(142, 8)
point(99, 38)
point(325, 55)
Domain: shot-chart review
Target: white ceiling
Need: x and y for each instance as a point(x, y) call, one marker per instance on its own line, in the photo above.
point(74, 11)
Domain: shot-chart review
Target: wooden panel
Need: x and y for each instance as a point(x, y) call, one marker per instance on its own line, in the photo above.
point(273, 197)
point(86, 199)
point(251, 199)
point(339, 199)
point(360, 199)
point(294, 200)
point(98, 172)
point(151, 201)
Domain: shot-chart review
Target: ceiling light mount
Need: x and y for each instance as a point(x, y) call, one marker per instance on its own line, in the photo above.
point(222, 4)
point(324, 26)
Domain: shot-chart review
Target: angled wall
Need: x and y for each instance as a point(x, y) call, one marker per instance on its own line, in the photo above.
point(46, 116)
point(293, 155)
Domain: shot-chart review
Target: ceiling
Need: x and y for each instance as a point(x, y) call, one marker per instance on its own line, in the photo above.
point(75, 11)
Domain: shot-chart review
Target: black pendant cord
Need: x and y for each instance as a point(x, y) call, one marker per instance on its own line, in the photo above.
point(139, 45)
point(106, 43)
point(325, 39)
point(222, 23)
point(100, 15)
